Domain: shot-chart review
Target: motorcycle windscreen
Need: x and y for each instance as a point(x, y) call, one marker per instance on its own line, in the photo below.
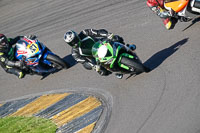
point(176, 5)
point(86, 47)
point(21, 49)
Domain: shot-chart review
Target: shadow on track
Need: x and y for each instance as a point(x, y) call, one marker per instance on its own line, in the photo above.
point(193, 22)
point(47, 74)
point(70, 60)
point(157, 59)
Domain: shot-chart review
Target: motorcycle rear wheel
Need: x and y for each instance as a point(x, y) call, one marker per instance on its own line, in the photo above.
point(133, 63)
point(57, 62)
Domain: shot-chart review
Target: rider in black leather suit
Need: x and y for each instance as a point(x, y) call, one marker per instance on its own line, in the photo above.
point(73, 39)
point(7, 57)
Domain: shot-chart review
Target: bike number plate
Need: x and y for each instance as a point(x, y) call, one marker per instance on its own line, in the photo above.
point(33, 48)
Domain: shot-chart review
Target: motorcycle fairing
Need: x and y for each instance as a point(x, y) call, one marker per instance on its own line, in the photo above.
point(45, 54)
point(33, 51)
point(29, 49)
point(111, 56)
point(86, 46)
point(123, 65)
point(116, 47)
point(176, 5)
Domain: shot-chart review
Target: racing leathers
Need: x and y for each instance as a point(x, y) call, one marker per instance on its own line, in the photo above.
point(7, 59)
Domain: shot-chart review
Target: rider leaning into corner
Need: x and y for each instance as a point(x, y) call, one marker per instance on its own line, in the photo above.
point(75, 40)
point(7, 57)
point(157, 6)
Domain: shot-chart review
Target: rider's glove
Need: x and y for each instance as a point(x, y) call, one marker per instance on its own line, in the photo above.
point(32, 37)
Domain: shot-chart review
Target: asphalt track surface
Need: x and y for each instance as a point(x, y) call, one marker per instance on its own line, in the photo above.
point(165, 100)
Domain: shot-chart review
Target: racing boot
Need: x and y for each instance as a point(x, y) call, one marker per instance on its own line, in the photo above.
point(169, 23)
point(16, 72)
point(21, 75)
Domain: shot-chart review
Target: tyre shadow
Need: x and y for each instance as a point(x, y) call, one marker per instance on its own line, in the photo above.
point(158, 58)
point(70, 60)
point(196, 20)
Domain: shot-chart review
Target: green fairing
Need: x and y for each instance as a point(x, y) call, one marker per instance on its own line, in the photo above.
point(110, 49)
point(115, 57)
point(95, 48)
point(107, 58)
point(86, 45)
point(119, 61)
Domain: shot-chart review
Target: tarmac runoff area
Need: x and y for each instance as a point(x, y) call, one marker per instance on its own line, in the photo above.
point(71, 111)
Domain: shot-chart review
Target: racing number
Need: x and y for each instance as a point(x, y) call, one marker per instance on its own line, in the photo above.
point(33, 48)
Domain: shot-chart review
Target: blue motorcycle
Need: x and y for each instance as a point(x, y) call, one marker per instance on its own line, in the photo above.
point(37, 57)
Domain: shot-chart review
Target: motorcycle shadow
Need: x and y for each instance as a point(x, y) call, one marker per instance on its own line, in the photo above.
point(47, 74)
point(157, 59)
point(68, 59)
point(193, 22)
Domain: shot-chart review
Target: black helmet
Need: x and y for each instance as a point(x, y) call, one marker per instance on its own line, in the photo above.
point(72, 38)
point(4, 45)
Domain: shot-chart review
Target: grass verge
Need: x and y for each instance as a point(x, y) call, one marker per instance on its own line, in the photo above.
point(26, 125)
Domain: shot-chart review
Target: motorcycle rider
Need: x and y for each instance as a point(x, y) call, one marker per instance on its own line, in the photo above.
point(7, 59)
point(157, 6)
point(75, 40)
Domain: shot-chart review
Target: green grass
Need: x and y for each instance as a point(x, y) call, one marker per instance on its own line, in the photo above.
point(26, 125)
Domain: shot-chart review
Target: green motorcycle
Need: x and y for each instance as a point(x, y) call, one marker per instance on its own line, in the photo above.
point(116, 57)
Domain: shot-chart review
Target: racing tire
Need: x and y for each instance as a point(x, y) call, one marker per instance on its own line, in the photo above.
point(136, 64)
point(57, 62)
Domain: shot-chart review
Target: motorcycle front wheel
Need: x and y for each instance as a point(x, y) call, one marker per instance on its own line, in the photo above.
point(134, 64)
point(57, 62)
